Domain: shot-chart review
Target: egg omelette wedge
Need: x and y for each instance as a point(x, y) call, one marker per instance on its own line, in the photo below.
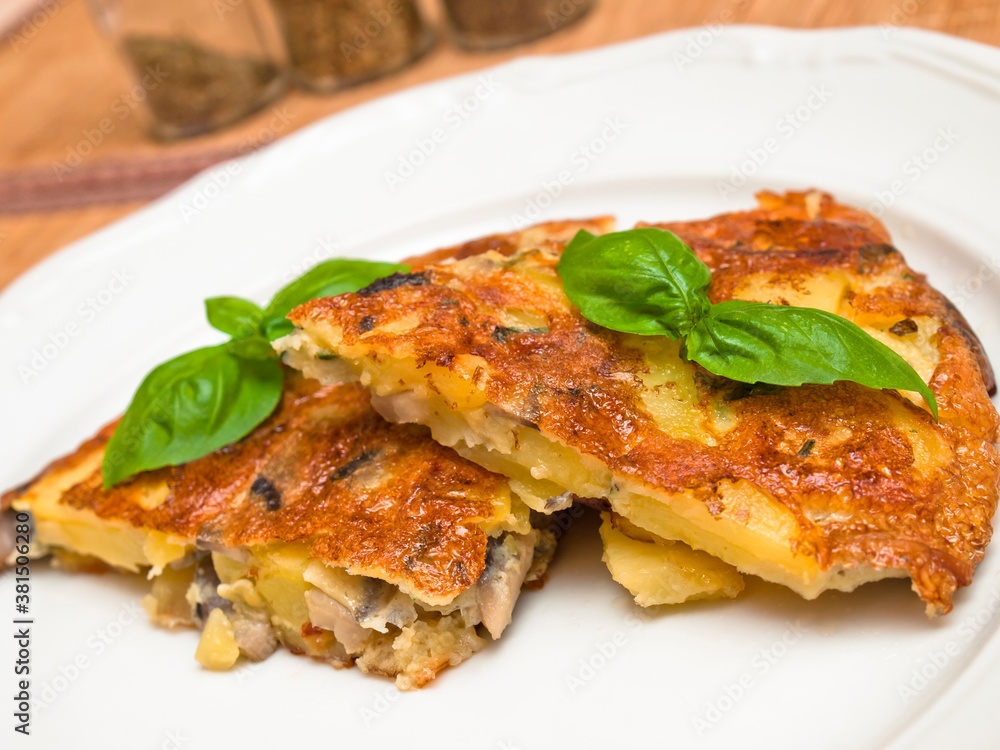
point(812, 487)
point(327, 530)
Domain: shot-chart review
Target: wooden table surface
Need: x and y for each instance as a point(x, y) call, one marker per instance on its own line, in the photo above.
point(59, 77)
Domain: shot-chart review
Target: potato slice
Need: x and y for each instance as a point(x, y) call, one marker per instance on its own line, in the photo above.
point(657, 571)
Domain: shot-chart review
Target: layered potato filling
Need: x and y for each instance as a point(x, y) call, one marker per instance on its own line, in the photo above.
point(326, 530)
point(546, 475)
point(248, 601)
point(657, 571)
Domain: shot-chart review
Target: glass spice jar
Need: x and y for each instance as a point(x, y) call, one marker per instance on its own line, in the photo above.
point(338, 43)
point(493, 24)
point(199, 65)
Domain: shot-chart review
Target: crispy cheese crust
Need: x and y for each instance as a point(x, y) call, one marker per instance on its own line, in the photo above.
point(327, 529)
point(324, 469)
point(551, 234)
point(321, 524)
point(815, 487)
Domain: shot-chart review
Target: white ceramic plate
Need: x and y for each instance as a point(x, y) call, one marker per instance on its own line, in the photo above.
point(677, 126)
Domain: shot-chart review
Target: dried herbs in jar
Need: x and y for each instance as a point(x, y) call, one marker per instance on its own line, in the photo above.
point(196, 68)
point(336, 43)
point(193, 89)
point(491, 24)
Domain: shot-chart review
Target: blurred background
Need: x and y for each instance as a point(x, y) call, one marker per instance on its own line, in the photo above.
point(108, 104)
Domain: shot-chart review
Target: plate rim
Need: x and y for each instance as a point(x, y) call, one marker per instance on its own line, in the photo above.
point(981, 60)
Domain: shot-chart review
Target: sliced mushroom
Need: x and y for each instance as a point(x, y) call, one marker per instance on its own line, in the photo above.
point(389, 607)
point(203, 594)
point(331, 615)
point(253, 632)
point(508, 559)
point(374, 604)
point(559, 502)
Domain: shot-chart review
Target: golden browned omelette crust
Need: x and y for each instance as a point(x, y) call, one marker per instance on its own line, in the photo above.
point(324, 469)
point(551, 234)
point(813, 232)
point(829, 480)
point(327, 529)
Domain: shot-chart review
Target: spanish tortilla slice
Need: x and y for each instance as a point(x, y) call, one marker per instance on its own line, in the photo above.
point(326, 529)
point(813, 487)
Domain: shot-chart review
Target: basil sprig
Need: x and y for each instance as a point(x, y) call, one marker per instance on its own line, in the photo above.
point(643, 281)
point(325, 280)
point(203, 400)
point(647, 282)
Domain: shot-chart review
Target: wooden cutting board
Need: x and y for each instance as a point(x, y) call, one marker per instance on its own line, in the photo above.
point(59, 77)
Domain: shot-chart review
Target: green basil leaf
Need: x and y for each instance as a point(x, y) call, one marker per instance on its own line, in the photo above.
point(239, 318)
point(755, 342)
point(582, 237)
point(327, 279)
point(255, 347)
point(644, 281)
point(190, 406)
